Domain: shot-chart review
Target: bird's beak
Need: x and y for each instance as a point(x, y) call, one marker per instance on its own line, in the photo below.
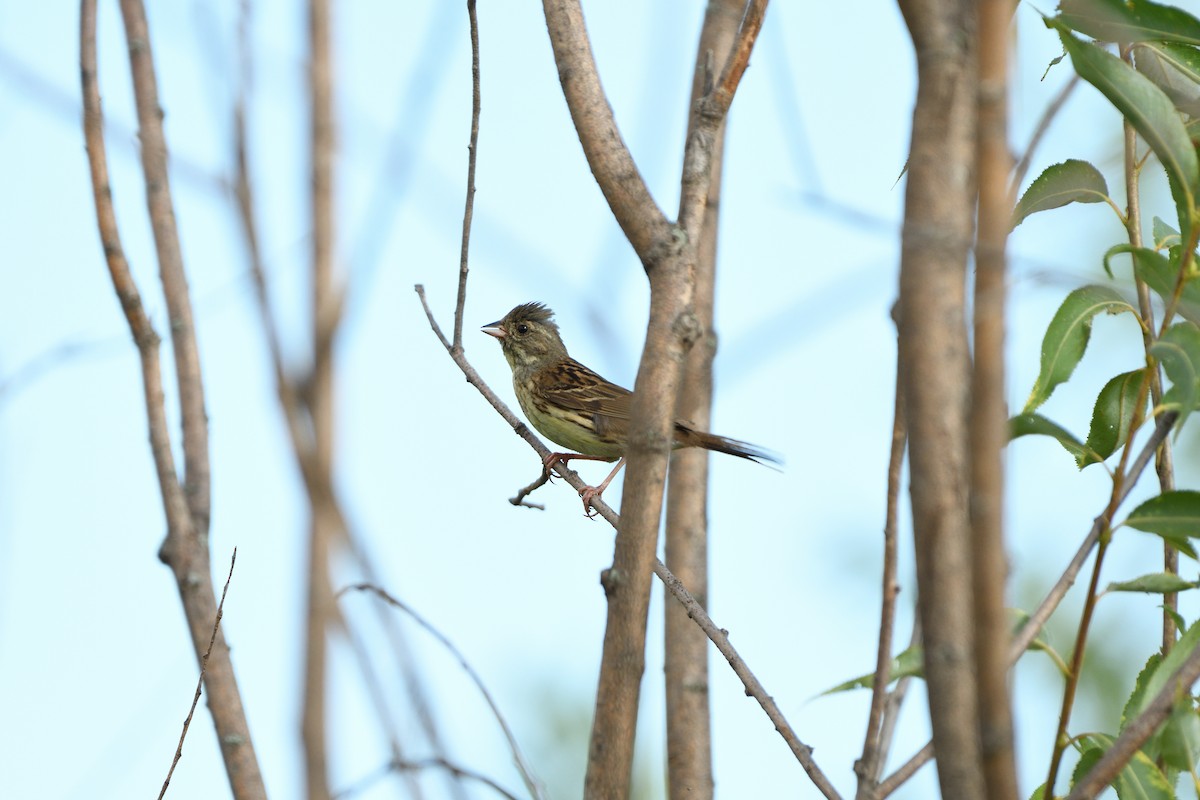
point(494, 329)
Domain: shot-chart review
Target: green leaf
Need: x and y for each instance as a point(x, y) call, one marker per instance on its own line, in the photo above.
point(908, 664)
point(1087, 759)
point(1174, 68)
point(1180, 738)
point(1140, 20)
point(1040, 794)
point(1161, 673)
point(1161, 273)
point(1112, 416)
point(1072, 181)
point(1036, 424)
point(1147, 108)
point(1067, 337)
point(1174, 516)
point(1137, 698)
point(1178, 350)
point(1164, 235)
point(1154, 583)
point(1140, 779)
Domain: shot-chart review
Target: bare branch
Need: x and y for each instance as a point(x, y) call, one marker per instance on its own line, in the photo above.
point(186, 512)
point(472, 154)
point(397, 765)
point(640, 218)
point(170, 263)
point(871, 762)
point(326, 309)
point(200, 680)
point(531, 782)
point(717, 635)
point(988, 417)
point(939, 201)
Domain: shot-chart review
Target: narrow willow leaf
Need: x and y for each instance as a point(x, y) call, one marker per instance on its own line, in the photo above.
point(1164, 235)
point(1112, 417)
point(1087, 760)
point(1147, 108)
point(1161, 274)
point(1067, 337)
point(1161, 674)
point(1154, 583)
point(1137, 698)
point(1040, 794)
point(1039, 643)
point(1180, 738)
point(1174, 68)
point(1178, 350)
point(1037, 425)
point(906, 665)
point(1174, 516)
point(1118, 21)
point(1072, 181)
point(1140, 779)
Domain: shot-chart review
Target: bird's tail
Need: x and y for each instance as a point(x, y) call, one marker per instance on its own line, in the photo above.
point(688, 437)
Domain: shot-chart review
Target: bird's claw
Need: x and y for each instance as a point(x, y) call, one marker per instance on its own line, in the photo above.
point(589, 494)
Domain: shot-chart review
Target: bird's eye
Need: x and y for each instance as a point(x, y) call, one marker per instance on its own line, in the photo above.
point(522, 328)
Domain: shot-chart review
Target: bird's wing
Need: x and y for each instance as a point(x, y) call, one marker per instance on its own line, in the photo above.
point(573, 386)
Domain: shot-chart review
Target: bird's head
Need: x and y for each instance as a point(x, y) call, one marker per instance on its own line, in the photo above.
point(528, 336)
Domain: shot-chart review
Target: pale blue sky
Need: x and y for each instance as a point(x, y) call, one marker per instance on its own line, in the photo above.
point(95, 671)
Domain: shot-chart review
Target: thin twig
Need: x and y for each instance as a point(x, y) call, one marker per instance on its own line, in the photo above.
point(717, 635)
point(200, 681)
point(519, 499)
point(870, 763)
point(472, 153)
point(396, 765)
point(531, 782)
point(1037, 620)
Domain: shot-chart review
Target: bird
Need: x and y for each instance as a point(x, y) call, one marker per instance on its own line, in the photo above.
point(575, 407)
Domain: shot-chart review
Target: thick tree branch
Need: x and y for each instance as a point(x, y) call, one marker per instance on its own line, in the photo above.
point(644, 224)
point(989, 412)
point(689, 738)
point(939, 201)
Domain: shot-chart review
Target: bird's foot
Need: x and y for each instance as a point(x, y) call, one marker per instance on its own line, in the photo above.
point(551, 461)
point(590, 494)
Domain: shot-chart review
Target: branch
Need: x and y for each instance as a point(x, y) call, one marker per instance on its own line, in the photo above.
point(170, 263)
point(640, 218)
point(531, 782)
point(472, 154)
point(715, 634)
point(200, 680)
point(988, 417)
point(326, 310)
point(939, 205)
point(185, 549)
point(871, 762)
point(1137, 731)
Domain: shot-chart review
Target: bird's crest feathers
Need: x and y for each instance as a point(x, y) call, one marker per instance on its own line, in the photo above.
point(533, 312)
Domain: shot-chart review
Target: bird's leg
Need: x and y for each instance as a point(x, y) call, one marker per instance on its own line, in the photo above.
point(549, 462)
point(592, 493)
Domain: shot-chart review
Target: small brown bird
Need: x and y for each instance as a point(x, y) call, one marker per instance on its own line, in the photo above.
point(576, 408)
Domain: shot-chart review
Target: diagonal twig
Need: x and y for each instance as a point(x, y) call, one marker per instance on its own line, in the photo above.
point(200, 681)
